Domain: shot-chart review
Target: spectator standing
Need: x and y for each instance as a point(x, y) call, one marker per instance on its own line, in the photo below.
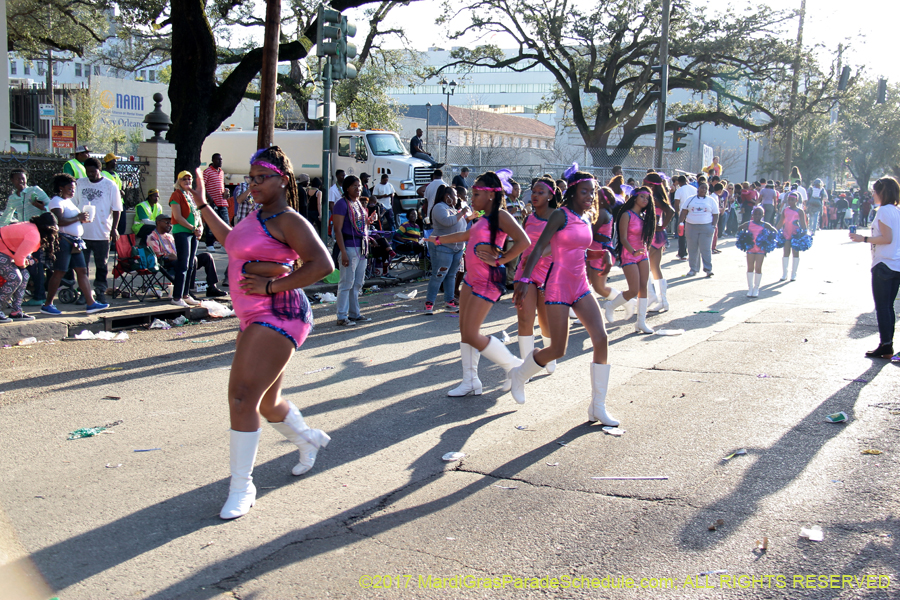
point(109, 171)
point(314, 203)
point(75, 167)
point(70, 254)
point(351, 233)
point(841, 207)
point(714, 168)
point(217, 195)
point(700, 215)
point(145, 215)
point(187, 231)
point(767, 196)
point(461, 178)
point(302, 195)
point(430, 192)
point(17, 243)
point(865, 210)
point(365, 192)
point(814, 204)
point(243, 202)
point(446, 220)
point(885, 244)
point(25, 203)
point(101, 193)
point(384, 193)
point(683, 193)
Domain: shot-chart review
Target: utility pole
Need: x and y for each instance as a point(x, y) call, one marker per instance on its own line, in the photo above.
point(795, 84)
point(265, 135)
point(663, 85)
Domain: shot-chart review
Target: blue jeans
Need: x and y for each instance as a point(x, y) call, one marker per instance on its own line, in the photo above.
point(813, 218)
point(444, 263)
point(186, 249)
point(352, 279)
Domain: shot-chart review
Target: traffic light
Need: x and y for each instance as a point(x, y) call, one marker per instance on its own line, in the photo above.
point(845, 79)
point(678, 135)
point(656, 93)
point(882, 91)
point(327, 31)
point(340, 66)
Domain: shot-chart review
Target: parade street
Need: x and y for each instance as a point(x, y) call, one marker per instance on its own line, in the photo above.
point(134, 512)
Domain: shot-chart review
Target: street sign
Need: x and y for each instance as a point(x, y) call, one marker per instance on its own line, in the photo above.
point(707, 155)
point(63, 136)
point(47, 112)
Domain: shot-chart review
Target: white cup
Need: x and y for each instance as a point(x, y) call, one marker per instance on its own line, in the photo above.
point(91, 211)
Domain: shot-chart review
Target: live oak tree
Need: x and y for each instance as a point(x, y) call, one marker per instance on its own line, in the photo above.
point(601, 58)
point(869, 131)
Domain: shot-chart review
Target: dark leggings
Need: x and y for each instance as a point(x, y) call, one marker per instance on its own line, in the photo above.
point(885, 285)
point(186, 249)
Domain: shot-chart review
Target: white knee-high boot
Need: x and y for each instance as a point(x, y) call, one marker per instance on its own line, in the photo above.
point(616, 299)
point(500, 355)
point(295, 429)
point(599, 386)
point(520, 376)
point(750, 284)
point(550, 366)
point(242, 492)
point(662, 303)
point(785, 260)
point(641, 325)
point(794, 268)
point(757, 278)
point(652, 298)
point(630, 308)
point(470, 383)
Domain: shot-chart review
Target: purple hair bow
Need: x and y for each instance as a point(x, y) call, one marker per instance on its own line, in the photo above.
point(627, 189)
point(505, 175)
point(571, 170)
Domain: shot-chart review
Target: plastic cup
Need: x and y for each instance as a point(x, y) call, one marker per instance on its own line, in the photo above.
point(91, 211)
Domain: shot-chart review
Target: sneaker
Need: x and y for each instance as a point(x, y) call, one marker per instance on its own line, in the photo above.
point(50, 310)
point(682, 258)
point(4, 318)
point(34, 302)
point(360, 319)
point(96, 307)
point(210, 249)
point(80, 301)
point(181, 303)
point(429, 308)
point(20, 316)
point(214, 292)
point(691, 273)
point(217, 246)
point(452, 306)
point(344, 323)
point(190, 301)
point(709, 273)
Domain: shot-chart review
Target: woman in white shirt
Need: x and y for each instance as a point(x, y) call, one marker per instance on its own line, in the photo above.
point(885, 240)
point(700, 216)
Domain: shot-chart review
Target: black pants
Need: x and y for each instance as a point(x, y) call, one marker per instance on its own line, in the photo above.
point(209, 237)
point(100, 250)
point(682, 246)
point(885, 285)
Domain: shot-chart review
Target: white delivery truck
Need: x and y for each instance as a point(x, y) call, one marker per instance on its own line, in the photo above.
point(354, 151)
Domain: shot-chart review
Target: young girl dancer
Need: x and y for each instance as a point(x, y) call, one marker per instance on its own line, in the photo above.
point(664, 214)
point(786, 222)
point(568, 232)
point(637, 229)
point(599, 268)
point(485, 281)
point(275, 316)
point(544, 200)
point(756, 254)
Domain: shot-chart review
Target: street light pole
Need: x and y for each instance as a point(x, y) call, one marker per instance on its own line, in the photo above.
point(427, 120)
point(663, 85)
point(449, 89)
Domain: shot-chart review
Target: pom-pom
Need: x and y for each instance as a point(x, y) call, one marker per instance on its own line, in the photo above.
point(766, 241)
point(627, 189)
point(571, 170)
point(744, 241)
point(505, 175)
point(801, 240)
point(779, 239)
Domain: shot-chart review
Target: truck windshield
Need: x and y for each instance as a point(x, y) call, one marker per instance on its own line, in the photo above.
point(386, 144)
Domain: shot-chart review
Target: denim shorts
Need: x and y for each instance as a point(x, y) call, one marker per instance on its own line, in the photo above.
point(64, 257)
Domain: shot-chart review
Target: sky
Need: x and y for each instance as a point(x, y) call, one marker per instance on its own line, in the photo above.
point(869, 27)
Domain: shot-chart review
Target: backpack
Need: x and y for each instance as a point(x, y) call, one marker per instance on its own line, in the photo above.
point(143, 258)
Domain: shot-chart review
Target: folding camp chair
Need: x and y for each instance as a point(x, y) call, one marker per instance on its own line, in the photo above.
point(136, 281)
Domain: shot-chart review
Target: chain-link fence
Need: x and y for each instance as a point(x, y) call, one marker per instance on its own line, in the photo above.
point(42, 169)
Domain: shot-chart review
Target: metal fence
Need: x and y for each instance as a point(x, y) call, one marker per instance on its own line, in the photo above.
point(42, 169)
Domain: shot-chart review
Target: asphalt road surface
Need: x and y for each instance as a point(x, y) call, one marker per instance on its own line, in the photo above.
point(522, 515)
